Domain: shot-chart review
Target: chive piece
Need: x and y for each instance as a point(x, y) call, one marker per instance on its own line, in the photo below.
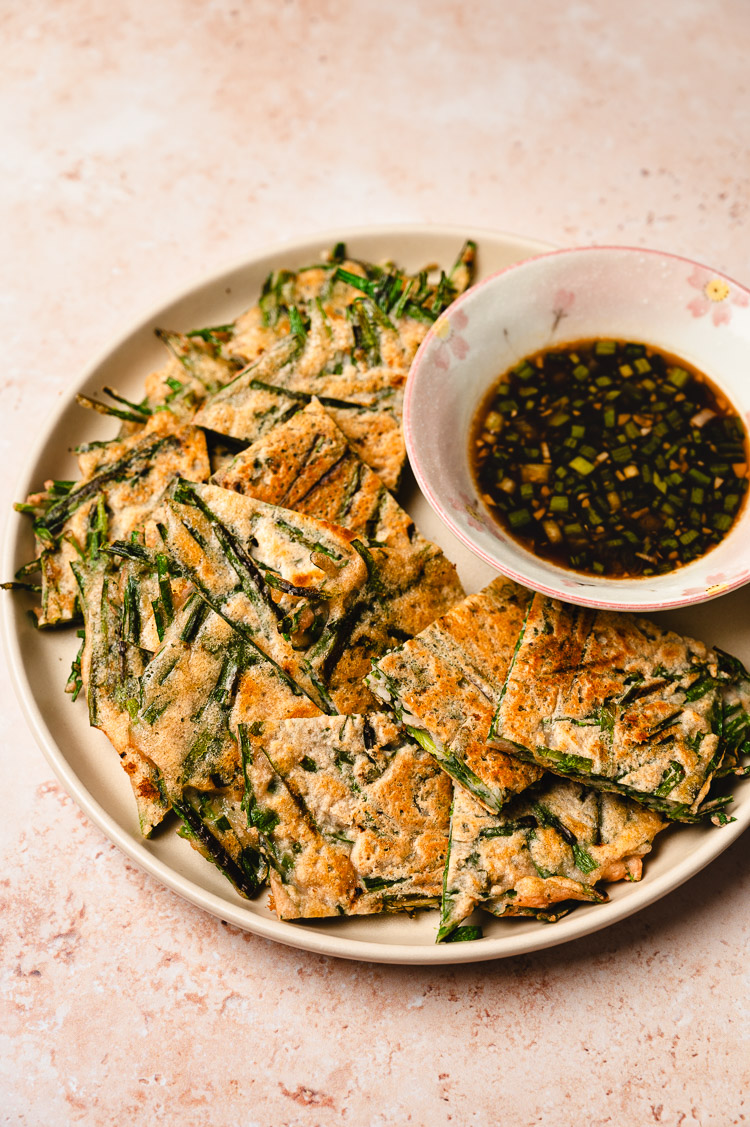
point(568, 763)
point(582, 466)
point(699, 476)
point(524, 370)
point(465, 934)
point(297, 324)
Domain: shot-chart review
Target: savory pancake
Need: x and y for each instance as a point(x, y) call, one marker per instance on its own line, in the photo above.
point(618, 702)
point(343, 331)
point(124, 483)
point(205, 678)
point(445, 685)
point(351, 813)
point(307, 464)
point(111, 662)
point(552, 844)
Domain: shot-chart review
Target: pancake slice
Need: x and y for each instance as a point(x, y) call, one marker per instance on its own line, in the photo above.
point(203, 677)
point(289, 585)
point(343, 331)
point(366, 395)
point(111, 663)
point(124, 484)
point(445, 685)
point(351, 813)
point(308, 465)
point(549, 846)
point(618, 702)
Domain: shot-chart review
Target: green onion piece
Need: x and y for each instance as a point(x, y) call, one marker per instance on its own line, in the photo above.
point(678, 376)
point(465, 934)
point(697, 475)
point(582, 466)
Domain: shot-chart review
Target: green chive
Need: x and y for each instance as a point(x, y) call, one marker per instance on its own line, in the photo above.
point(582, 466)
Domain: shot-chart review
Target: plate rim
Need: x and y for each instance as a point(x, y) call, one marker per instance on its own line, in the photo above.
point(300, 935)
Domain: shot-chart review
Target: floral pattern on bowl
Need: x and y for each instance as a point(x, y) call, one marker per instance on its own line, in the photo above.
point(451, 344)
point(566, 296)
point(716, 296)
point(476, 517)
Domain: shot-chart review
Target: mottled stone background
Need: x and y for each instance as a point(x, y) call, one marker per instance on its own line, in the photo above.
point(147, 143)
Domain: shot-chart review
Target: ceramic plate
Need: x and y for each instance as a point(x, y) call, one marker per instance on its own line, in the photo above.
point(88, 768)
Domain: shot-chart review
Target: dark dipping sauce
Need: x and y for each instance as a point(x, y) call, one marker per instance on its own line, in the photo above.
point(610, 458)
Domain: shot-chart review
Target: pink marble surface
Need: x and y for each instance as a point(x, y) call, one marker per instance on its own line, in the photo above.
point(144, 144)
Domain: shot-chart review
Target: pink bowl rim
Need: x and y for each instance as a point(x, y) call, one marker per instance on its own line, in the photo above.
point(409, 424)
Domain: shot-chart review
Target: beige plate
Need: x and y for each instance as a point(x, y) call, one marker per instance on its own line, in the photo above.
point(89, 770)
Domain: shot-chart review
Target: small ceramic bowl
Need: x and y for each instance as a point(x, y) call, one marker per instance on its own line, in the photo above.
point(558, 298)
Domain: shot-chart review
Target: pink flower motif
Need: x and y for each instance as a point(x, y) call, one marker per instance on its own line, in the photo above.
point(561, 304)
point(475, 518)
point(716, 296)
point(451, 342)
point(714, 584)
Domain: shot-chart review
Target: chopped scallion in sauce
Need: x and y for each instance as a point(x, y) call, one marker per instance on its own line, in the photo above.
point(611, 458)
